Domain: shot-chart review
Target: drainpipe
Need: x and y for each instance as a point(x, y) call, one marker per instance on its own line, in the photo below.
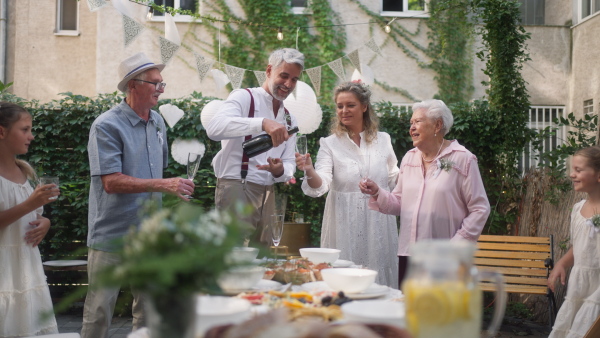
point(3, 17)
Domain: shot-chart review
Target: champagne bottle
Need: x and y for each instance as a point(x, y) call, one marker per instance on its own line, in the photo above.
point(261, 143)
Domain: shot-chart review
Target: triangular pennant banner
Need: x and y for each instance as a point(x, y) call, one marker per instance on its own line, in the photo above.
point(261, 76)
point(171, 32)
point(96, 4)
point(338, 68)
point(355, 59)
point(131, 29)
point(203, 66)
point(373, 46)
point(235, 74)
point(167, 49)
point(314, 74)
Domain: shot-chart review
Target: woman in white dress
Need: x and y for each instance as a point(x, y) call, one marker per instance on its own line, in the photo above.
point(24, 294)
point(364, 236)
point(582, 302)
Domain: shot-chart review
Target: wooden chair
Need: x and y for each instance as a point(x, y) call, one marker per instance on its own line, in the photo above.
point(594, 330)
point(525, 262)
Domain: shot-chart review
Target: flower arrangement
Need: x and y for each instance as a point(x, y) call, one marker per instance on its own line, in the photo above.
point(445, 164)
point(594, 224)
point(178, 251)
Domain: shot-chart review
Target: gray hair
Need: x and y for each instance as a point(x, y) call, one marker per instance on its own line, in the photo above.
point(289, 55)
point(436, 110)
point(141, 76)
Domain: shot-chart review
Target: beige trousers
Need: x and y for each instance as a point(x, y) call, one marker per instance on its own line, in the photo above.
point(259, 197)
point(100, 303)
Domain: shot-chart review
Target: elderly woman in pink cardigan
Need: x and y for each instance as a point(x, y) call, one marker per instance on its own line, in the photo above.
point(439, 192)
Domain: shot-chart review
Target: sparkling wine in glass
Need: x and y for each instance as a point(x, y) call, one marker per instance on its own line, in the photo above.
point(276, 229)
point(302, 148)
point(364, 165)
point(193, 164)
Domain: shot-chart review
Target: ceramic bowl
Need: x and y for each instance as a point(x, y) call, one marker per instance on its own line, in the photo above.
point(349, 280)
point(243, 254)
point(375, 311)
point(240, 278)
point(217, 310)
point(320, 255)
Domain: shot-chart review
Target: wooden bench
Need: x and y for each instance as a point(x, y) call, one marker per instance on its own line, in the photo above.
point(525, 263)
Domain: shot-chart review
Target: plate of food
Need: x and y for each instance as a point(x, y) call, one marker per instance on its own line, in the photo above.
point(373, 291)
point(340, 263)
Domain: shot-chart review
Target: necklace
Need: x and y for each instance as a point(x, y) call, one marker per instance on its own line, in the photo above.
point(429, 161)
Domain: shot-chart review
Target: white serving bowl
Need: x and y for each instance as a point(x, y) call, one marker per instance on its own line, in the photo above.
point(320, 255)
point(217, 310)
point(243, 254)
point(375, 311)
point(240, 278)
point(349, 280)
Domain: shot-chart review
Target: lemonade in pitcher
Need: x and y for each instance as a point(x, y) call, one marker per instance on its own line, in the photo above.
point(441, 291)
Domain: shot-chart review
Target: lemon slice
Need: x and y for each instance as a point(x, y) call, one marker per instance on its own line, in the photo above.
point(432, 306)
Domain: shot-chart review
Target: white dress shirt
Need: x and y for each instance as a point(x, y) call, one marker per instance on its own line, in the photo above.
point(231, 124)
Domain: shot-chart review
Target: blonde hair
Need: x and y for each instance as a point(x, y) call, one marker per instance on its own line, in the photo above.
point(592, 154)
point(370, 119)
point(10, 113)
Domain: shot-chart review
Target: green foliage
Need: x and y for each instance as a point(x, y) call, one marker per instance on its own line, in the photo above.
point(4, 87)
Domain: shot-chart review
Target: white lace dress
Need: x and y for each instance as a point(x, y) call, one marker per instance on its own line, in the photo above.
point(364, 236)
point(582, 302)
point(24, 294)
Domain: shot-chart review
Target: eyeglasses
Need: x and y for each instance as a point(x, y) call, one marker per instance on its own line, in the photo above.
point(159, 85)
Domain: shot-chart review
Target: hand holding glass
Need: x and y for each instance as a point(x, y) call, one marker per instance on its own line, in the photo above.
point(49, 180)
point(276, 229)
point(193, 164)
point(302, 148)
point(363, 168)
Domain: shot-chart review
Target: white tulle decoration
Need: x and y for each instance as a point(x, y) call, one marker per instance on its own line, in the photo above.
point(172, 114)
point(220, 78)
point(305, 108)
point(366, 76)
point(209, 111)
point(181, 148)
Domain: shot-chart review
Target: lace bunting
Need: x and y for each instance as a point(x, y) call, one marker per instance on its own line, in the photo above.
point(131, 29)
point(338, 68)
point(314, 74)
point(167, 49)
point(235, 74)
point(355, 59)
point(373, 46)
point(96, 4)
point(261, 76)
point(203, 65)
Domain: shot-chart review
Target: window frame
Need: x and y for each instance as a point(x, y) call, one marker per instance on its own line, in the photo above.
point(407, 13)
point(178, 17)
point(59, 16)
point(301, 10)
point(588, 106)
point(539, 122)
point(593, 10)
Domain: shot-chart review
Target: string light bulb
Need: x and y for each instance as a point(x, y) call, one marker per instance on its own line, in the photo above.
point(280, 34)
point(387, 28)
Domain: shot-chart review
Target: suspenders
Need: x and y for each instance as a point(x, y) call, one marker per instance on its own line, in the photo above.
point(245, 159)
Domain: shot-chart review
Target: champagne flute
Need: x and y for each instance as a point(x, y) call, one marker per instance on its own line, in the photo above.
point(302, 148)
point(276, 229)
point(364, 165)
point(193, 164)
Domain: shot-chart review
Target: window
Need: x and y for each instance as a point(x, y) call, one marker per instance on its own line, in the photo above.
point(67, 17)
point(190, 5)
point(541, 117)
point(406, 8)
point(299, 6)
point(588, 7)
point(532, 12)
point(588, 106)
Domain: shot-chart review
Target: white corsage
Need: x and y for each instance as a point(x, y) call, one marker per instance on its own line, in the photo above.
point(594, 224)
point(442, 164)
point(159, 135)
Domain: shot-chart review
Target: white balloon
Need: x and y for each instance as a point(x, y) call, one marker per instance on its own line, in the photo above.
point(305, 108)
point(209, 111)
point(171, 113)
point(220, 78)
point(181, 148)
point(366, 76)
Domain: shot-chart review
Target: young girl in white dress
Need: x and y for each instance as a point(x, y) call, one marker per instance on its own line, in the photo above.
point(582, 302)
point(24, 296)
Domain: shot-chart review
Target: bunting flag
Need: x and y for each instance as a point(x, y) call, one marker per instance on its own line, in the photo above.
point(96, 4)
point(355, 59)
point(314, 74)
point(338, 68)
point(167, 49)
point(261, 76)
point(171, 32)
point(203, 65)
point(373, 46)
point(131, 29)
point(235, 74)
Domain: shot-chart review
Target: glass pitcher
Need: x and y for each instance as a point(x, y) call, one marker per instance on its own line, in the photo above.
point(442, 293)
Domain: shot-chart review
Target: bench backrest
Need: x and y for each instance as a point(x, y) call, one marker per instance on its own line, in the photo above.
point(523, 261)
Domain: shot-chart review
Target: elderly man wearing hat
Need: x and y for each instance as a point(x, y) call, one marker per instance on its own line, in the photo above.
point(127, 153)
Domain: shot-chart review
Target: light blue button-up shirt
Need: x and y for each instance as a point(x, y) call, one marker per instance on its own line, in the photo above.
point(121, 141)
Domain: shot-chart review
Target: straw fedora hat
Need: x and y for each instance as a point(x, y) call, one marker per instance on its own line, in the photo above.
point(134, 65)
